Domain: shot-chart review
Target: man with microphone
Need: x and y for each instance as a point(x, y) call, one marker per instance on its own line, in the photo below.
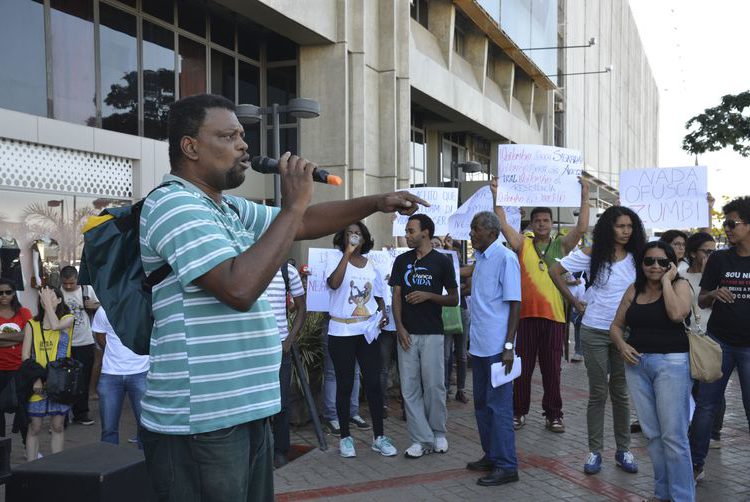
point(215, 351)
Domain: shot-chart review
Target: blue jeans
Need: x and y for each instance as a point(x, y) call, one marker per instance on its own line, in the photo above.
point(329, 385)
point(235, 463)
point(112, 390)
point(710, 395)
point(493, 408)
point(660, 386)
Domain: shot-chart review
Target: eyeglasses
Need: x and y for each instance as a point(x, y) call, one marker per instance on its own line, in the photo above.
point(7, 292)
point(731, 224)
point(678, 244)
point(650, 260)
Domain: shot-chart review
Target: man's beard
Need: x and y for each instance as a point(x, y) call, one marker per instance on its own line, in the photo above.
point(234, 177)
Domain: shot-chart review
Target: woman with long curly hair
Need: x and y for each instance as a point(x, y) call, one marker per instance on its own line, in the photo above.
point(610, 266)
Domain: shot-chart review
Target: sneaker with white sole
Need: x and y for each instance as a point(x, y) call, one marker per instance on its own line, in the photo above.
point(384, 446)
point(626, 461)
point(346, 447)
point(416, 450)
point(360, 423)
point(441, 444)
point(332, 426)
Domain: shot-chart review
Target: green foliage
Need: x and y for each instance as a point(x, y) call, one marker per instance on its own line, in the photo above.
point(309, 342)
point(725, 125)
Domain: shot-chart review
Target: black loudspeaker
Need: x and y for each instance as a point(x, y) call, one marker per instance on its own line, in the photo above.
point(98, 472)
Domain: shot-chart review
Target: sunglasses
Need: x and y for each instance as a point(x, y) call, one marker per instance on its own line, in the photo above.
point(650, 260)
point(8, 292)
point(731, 224)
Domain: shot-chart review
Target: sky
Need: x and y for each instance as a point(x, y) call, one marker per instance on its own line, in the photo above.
point(698, 52)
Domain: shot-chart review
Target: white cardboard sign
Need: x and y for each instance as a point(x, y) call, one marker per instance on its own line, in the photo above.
point(669, 197)
point(443, 202)
point(317, 289)
point(459, 223)
point(538, 175)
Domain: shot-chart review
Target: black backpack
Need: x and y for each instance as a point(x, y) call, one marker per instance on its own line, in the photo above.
point(111, 264)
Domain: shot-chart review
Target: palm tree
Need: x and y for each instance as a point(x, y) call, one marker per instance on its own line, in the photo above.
point(42, 220)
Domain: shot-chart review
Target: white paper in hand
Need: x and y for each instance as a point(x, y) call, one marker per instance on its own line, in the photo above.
point(498, 372)
point(372, 327)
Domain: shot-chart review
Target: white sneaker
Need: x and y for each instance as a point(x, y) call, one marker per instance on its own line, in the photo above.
point(416, 450)
point(383, 445)
point(441, 444)
point(346, 447)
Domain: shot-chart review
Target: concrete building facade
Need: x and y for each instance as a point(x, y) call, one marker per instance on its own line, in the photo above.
point(408, 91)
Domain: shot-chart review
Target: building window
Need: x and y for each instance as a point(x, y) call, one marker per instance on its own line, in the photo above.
point(158, 79)
point(119, 70)
point(461, 28)
point(417, 158)
point(23, 82)
point(419, 12)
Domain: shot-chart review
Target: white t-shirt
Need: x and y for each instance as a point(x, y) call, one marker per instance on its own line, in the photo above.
point(683, 266)
point(694, 278)
point(82, 328)
point(276, 293)
point(355, 298)
point(604, 297)
point(118, 359)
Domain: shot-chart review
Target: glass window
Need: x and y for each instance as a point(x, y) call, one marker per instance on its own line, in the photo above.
point(419, 11)
point(248, 83)
point(492, 7)
point(73, 74)
point(252, 138)
point(222, 31)
point(248, 40)
point(163, 9)
point(282, 86)
point(279, 48)
point(418, 159)
point(287, 141)
point(158, 79)
point(22, 40)
point(192, 68)
point(191, 16)
point(119, 67)
point(222, 74)
point(130, 3)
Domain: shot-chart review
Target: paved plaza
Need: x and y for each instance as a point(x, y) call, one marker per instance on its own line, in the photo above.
point(550, 464)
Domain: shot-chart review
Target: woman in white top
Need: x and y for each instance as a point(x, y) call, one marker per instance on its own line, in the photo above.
point(610, 267)
point(356, 308)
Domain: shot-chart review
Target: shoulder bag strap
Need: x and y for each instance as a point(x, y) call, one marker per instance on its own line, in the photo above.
point(44, 340)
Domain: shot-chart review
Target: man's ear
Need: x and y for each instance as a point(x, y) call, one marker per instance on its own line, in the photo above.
point(189, 147)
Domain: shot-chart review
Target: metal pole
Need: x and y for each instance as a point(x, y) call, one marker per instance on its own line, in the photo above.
point(304, 381)
point(276, 154)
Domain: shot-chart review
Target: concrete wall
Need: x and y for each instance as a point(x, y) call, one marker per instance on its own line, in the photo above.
point(613, 117)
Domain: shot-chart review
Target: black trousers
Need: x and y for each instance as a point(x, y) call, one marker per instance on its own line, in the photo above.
point(85, 355)
point(345, 351)
point(280, 421)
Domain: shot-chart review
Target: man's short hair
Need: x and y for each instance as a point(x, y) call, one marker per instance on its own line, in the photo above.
point(487, 220)
point(69, 272)
point(185, 118)
point(540, 210)
point(425, 223)
point(741, 206)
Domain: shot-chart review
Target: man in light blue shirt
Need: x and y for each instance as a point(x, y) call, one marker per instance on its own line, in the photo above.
point(495, 311)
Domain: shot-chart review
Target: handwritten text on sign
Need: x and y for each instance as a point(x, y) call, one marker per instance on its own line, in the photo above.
point(460, 221)
point(673, 197)
point(317, 289)
point(538, 175)
point(443, 204)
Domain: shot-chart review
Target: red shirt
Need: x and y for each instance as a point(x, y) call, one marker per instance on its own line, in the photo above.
point(10, 357)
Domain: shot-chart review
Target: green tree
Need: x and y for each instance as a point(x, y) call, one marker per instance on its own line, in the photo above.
point(716, 128)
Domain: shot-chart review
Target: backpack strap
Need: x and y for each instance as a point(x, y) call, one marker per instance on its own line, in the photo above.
point(285, 275)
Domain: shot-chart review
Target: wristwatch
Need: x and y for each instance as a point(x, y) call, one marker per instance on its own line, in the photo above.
point(508, 346)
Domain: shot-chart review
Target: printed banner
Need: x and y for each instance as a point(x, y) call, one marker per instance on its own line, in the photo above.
point(669, 197)
point(443, 204)
point(459, 223)
point(538, 175)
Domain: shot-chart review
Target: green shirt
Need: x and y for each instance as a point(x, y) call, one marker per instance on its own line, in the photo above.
point(211, 366)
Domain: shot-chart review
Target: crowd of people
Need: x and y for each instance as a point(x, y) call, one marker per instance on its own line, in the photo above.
point(215, 388)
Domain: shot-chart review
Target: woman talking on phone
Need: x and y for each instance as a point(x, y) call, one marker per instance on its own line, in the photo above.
point(658, 367)
point(355, 297)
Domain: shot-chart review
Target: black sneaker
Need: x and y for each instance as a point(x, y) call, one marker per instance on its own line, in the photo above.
point(332, 426)
point(84, 420)
point(360, 423)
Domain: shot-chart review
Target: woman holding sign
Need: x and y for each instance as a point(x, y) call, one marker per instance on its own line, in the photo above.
point(610, 266)
point(356, 301)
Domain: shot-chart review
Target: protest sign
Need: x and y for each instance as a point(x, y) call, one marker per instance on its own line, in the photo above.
point(317, 289)
point(456, 269)
point(459, 223)
point(538, 175)
point(670, 197)
point(443, 204)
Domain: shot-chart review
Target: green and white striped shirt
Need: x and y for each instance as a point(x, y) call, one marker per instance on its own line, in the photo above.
point(211, 366)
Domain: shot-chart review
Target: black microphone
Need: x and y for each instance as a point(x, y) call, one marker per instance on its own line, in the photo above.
point(267, 165)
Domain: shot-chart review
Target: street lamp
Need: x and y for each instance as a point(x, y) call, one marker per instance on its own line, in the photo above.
point(301, 108)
